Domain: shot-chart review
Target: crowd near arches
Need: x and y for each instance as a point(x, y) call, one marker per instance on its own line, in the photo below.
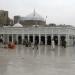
point(32, 38)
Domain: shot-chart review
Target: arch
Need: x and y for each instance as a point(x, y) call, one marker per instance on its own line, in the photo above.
point(43, 40)
point(19, 39)
point(37, 39)
point(10, 38)
point(62, 38)
point(48, 40)
point(55, 39)
point(31, 38)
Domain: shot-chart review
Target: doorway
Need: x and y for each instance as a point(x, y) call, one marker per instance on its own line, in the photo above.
point(19, 39)
point(48, 40)
point(43, 40)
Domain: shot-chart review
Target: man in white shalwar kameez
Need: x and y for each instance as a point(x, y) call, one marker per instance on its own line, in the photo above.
point(53, 44)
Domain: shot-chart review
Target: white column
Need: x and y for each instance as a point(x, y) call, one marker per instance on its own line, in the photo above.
point(22, 38)
point(52, 35)
point(3, 38)
point(17, 38)
point(39, 39)
point(33, 39)
point(45, 39)
point(73, 40)
point(28, 37)
point(51, 38)
point(12, 38)
point(58, 40)
point(67, 39)
point(8, 38)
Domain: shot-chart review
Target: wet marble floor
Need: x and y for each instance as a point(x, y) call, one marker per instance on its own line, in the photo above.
point(44, 61)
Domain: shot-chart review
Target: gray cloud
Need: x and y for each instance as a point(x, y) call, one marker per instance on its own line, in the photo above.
point(58, 11)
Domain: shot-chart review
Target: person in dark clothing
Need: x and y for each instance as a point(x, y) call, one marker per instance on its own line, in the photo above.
point(64, 43)
point(29, 43)
point(26, 43)
point(36, 44)
point(1, 42)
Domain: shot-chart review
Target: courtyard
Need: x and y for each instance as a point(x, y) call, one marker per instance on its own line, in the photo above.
point(44, 61)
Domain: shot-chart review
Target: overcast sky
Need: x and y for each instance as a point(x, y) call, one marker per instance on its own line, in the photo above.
point(57, 11)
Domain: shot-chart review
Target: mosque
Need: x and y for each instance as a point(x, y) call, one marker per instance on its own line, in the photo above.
point(33, 27)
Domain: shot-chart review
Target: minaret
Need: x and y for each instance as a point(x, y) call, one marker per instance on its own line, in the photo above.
point(34, 12)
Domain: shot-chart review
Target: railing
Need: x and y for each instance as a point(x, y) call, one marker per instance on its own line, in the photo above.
point(37, 30)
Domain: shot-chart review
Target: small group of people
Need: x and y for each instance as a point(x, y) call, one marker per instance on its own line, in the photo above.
point(11, 45)
point(63, 44)
point(27, 43)
point(7, 45)
point(31, 44)
point(35, 45)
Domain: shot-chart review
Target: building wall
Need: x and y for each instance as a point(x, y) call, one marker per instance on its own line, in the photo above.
point(28, 22)
point(32, 22)
point(67, 32)
point(4, 17)
point(16, 19)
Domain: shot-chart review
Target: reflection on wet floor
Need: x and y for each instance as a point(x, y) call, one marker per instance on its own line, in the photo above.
point(42, 61)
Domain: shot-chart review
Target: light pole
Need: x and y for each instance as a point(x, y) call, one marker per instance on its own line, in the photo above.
point(45, 19)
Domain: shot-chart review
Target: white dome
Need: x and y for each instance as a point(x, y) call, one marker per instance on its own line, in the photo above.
point(33, 16)
point(17, 25)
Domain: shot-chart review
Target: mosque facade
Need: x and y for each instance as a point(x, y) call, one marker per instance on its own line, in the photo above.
point(41, 32)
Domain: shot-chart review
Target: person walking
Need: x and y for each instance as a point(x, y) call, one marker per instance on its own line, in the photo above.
point(32, 45)
point(64, 44)
point(36, 44)
point(1, 41)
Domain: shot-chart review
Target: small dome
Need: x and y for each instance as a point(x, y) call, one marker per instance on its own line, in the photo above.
point(17, 25)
